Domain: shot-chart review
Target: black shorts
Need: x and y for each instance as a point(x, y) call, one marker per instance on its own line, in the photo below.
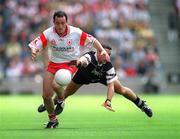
point(82, 78)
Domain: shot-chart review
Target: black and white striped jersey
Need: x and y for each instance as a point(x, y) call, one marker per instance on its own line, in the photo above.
point(95, 72)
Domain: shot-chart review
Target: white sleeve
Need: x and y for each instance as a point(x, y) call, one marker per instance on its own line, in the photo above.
point(111, 76)
point(37, 43)
point(86, 39)
point(41, 41)
point(89, 40)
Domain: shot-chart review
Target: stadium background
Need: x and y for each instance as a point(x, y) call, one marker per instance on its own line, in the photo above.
point(145, 36)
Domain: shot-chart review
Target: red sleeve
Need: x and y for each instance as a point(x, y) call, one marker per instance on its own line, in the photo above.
point(44, 40)
point(83, 38)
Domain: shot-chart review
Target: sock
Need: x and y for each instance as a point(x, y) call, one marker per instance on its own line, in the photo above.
point(138, 102)
point(52, 117)
point(60, 99)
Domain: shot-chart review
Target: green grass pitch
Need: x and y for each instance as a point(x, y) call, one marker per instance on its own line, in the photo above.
point(85, 118)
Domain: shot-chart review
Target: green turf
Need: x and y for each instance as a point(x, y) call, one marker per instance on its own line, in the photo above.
point(84, 117)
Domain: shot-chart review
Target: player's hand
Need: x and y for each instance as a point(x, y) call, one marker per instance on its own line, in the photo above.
point(73, 62)
point(108, 106)
point(78, 64)
point(34, 52)
point(104, 53)
point(82, 62)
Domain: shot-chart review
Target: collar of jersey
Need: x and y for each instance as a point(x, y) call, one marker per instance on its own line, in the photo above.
point(67, 30)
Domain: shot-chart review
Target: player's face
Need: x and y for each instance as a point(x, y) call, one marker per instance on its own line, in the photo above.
point(60, 24)
point(102, 58)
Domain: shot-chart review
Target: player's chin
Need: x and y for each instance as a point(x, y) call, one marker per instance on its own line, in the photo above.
point(59, 31)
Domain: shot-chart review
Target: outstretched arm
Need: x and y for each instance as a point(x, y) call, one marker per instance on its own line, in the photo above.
point(99, 48)
point(110, 91)
point(34, 52)
point(87, 39)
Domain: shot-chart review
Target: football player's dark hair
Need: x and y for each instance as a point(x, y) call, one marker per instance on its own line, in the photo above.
point(107, 47)
point(60, 14)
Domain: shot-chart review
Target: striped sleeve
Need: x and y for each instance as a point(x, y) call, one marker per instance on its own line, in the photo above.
point(111, 75)
point(86, 39)
point(43, 40)
point(83, 38)
point(39, 42)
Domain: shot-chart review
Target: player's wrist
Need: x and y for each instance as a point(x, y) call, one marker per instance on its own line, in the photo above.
point(79, 64)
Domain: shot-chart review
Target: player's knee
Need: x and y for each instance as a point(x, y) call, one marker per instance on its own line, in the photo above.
point(56, 87)
point(47, 96)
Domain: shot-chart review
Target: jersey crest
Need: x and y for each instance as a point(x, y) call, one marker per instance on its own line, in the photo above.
point(69, 42)
point(53, 42)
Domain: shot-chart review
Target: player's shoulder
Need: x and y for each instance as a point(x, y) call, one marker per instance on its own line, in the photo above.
point(49, 31)
point(75, 30)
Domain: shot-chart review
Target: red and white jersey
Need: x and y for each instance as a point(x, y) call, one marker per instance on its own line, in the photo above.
point(65, 48)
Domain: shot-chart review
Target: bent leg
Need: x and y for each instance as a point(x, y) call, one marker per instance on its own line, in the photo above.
point(129, 94)
point(48, 92)
point(125, 91)
point(59, 91)
point(71, 89)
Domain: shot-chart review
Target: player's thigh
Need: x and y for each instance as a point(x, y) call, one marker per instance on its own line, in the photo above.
point(47, 84)
point(72, 87)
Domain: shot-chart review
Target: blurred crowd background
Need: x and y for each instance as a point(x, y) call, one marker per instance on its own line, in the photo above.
point(125, 25)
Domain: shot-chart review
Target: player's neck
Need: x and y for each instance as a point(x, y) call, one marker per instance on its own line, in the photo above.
point(64, 33)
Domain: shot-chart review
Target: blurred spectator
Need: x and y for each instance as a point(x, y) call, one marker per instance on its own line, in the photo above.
point(130, 68)
point(176, 18)
point(138, 55)
point(13, 71)
point(29, 68)
point(151, 56)
point(141, 13)
point(126, 39)
point(142, 68)
point(177, 7)
point(152, 81)
point(172, 26)
point(13, 47)
point(118, 67)
point(2, 60)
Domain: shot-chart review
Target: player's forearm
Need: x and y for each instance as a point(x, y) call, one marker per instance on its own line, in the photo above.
point(98, 46)
point(110, 91)
point(34, 50)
